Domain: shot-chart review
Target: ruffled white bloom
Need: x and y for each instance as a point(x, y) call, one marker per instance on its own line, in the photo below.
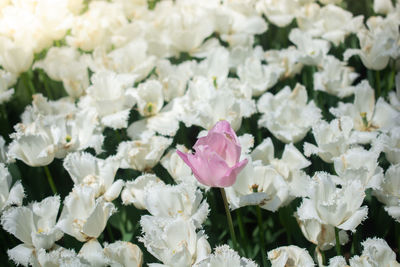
point(123, 253)
point(165, 122)
point(66, 64)
point(142, 154)
point(337, 261)
point(322, 235)
point(7, 79)
point(186, 26)
point(376, 252)
point(58, 256)
point(215, 66)
point(83, 216)
point(94, 27)
point(290, 255)
point(224, 256)
point(99, 174)
point(183, 200)
point(287, 58)
point(287, 115)
point(258, 185)
point(15, 58)
point(312, 51)
point(366, 115)
point(174, 241)
point(52, 129)
point(383, 6)
point(390, 143)
point(131, 58)
point(237, 22)
point(335, 78)
point(270, 182)
point(377, 43)
point(149, 97)
point(32, 149)
point(280, 13)
point(329, 22)
point(111, 97)
point(289, 166)
point(119, 253)
point(360, 164)
point(389, 194)
point(9, 195)
point(204, 105)
point(338, 207)
point(134, 191)
point(34, 226)
point(332, 138)
point(173, 78)
point(257, 76)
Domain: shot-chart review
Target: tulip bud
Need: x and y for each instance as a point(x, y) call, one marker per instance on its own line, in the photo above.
point(216, 162)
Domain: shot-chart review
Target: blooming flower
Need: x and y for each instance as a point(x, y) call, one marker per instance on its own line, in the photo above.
point(216, 160)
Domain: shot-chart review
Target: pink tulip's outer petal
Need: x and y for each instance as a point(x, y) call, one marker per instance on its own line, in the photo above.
point(230, 178)
point(223, 146)
point(209, 166)
point(224, 127)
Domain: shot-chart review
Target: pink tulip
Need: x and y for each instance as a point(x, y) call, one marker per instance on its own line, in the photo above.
point(215, 162)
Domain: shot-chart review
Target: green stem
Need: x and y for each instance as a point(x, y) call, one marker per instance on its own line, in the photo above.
point(338, 249)
point(50, 180)
point(391, 81)
point(378, 83)
point(5, 116)
point(110, 234)
point(229, 218)
point(242, 232)
point(46, 87)
point(261, 232)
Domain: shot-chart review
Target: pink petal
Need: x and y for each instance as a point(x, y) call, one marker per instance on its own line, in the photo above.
point(224, 127)
point(230, 177)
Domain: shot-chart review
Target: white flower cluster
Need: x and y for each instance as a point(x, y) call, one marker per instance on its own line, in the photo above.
point(117, 62)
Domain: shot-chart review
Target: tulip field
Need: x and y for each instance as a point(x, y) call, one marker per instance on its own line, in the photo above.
point(212, 133)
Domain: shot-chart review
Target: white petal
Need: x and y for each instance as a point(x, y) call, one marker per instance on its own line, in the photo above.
point(19, 222)
point(355, 219)
point(97, 221)
point(114, 190)
point(21, 254)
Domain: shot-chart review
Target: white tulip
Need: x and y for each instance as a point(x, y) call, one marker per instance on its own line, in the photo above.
point(9, 195)
point(332, 138)
point(35, 226)
point(359, 164)
point(174, 241)
point(134, 191)
point(376, 252)
point(290, 255)
point(224, 256)
point(99, 174)
point(83, 216)
point(142, 155)
point(312, 51)
point(328, 204)
point(389, 193)
point(287, 115)
point(335, 78)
